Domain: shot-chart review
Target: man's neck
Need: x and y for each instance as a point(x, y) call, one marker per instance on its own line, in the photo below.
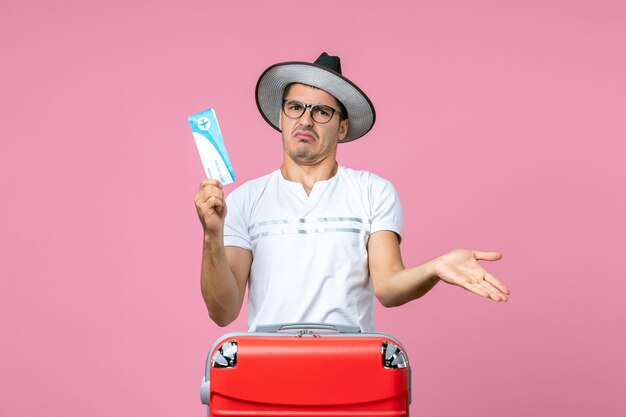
point(308, 175)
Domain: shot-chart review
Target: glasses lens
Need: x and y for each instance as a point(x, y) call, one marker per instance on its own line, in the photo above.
point(322, 114)
point(293, 108)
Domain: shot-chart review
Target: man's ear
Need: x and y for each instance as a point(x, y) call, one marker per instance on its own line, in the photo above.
point(343, 128)
point(280, 121)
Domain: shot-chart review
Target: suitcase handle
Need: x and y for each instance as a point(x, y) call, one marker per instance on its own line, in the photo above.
point(286, 327)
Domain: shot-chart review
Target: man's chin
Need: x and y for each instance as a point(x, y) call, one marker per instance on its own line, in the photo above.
point(304, 156)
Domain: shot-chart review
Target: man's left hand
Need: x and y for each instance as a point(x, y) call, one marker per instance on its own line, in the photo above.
point(461, 267)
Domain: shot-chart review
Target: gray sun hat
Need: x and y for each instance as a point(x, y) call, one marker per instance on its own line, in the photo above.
point(325, 74)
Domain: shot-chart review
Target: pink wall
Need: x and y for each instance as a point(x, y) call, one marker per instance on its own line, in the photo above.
point(500, 122)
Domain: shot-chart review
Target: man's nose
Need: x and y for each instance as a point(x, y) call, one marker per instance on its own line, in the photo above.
point(306, 119)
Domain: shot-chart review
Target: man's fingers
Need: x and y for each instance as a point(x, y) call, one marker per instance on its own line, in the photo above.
point(476, 288)
point(494, 293)
point(496, 283)
point(207, 204)
point(482, 287)
point(472, 284)
point(210, 201)
point(215, 201)
point(207, 192)
point(487, 256)
point(486, 292)
point(204, 202)
point(207, 182)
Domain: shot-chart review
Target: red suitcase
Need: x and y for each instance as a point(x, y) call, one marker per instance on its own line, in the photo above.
point(308, 370)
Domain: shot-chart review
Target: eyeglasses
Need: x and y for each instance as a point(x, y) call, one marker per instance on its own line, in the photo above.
point(320, 113)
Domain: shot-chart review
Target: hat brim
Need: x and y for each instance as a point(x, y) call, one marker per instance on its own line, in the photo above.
point(269, 94)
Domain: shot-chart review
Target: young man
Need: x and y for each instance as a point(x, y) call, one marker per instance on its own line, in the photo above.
point(315, 241)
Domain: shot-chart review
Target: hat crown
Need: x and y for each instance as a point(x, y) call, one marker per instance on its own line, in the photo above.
point(331, 62)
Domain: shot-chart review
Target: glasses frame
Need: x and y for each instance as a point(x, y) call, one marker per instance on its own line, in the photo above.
point(312, 106)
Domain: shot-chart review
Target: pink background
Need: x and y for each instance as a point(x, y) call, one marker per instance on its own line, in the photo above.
point(500, 122)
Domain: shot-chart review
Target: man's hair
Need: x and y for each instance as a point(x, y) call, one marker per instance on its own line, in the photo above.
point(343, 112)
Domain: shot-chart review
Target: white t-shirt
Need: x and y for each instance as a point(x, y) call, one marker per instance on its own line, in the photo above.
point(309, 253)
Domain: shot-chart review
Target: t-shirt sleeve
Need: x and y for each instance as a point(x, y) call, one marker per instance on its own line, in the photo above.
point(235, 224)
point(385, 206)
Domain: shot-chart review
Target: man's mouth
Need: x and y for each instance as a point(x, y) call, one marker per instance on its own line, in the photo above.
point(302, 135)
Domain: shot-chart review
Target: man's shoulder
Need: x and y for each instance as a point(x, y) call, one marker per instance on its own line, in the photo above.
point(363, 177)
point(254, 186)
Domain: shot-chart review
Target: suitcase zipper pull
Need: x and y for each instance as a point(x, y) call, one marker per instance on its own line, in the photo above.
point(306, 332)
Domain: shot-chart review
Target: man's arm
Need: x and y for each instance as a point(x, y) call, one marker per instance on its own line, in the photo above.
point(395, 285)
point(225, 270)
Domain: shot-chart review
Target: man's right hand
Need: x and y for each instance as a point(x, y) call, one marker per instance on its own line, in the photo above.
point(211, 207)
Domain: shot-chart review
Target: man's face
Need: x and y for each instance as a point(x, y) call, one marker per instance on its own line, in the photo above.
point(304, 140)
